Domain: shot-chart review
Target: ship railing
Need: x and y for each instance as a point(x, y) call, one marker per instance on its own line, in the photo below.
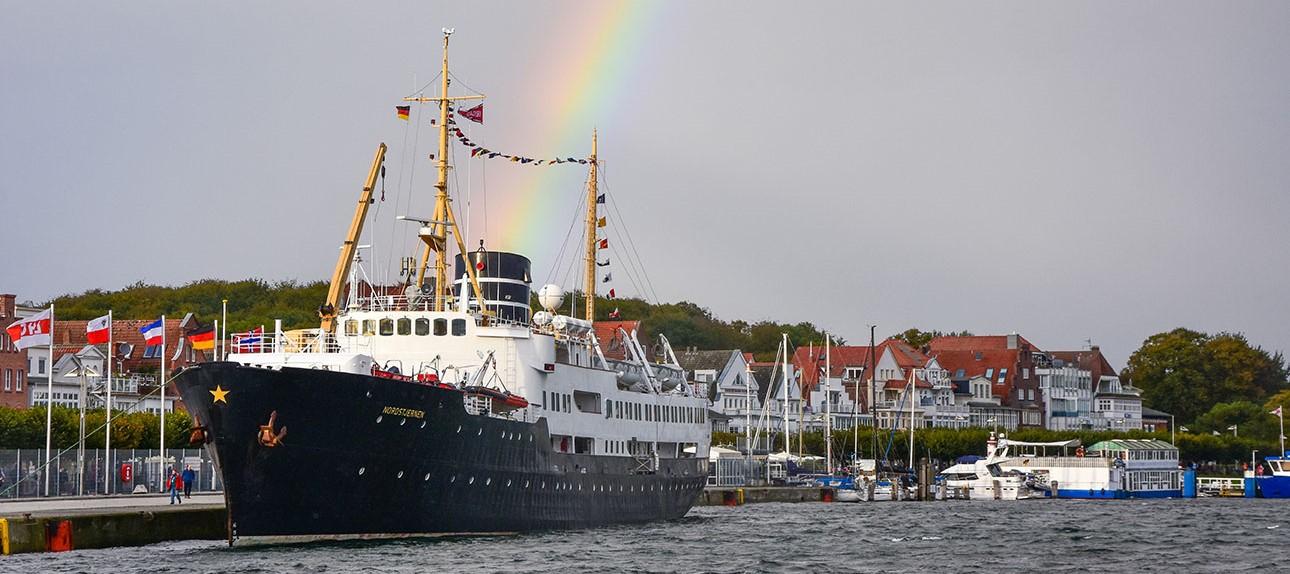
point(295, 341)
point(1066, 461)
point(1220, 486)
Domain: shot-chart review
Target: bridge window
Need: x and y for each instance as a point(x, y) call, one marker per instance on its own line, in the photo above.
point(405, 326)
point(458, 327)
point(351, 327)
point(387, 327)
point(369, 326)
point(423, 326)
point(440, 327)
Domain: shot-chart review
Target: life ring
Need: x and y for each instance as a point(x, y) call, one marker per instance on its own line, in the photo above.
point(1079, 451)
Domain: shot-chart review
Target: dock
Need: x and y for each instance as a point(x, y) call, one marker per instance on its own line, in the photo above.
point(71, 523)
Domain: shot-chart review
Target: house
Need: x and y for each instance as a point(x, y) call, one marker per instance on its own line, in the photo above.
point(726, 379)
point(1005, 361)
point(1102, 401)
point(833, 385)
point(13, 361)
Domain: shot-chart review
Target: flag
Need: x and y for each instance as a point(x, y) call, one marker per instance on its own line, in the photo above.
point(1233, 427)
point(404, 111)
point(475, 114)
point(249, 341)
point(1215, 433)
point(599, 264)
point(32, 331)
point(608, 277)
point(614, 314)
point(611, 294)
point(203, 339)
point(604, 244)
point(152, 333)
point(600, 198)
point(99, 330)
point(601, 222)
point(1276, 412)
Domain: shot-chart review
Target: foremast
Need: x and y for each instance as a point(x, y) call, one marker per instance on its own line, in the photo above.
point(434, 233)
point(592, 222)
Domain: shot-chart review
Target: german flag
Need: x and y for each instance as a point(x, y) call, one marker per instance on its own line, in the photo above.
point(203, 339)
point(404, 112)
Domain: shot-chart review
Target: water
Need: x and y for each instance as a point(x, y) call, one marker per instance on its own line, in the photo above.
point(1201, 535)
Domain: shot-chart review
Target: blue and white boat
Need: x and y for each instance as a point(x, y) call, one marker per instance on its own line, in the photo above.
point(1117, 468)
point(1273, 482)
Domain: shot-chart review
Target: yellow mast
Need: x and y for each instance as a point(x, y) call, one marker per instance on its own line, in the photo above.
point(435, 233)
point(591, 235)
point(329, 307)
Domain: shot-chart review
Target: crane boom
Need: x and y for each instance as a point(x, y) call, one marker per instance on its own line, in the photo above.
point(329, 307)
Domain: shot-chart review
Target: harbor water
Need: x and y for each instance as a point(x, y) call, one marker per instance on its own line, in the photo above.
point(1196, 535)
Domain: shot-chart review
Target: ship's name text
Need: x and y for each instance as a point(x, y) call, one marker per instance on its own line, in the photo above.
point(400, 411)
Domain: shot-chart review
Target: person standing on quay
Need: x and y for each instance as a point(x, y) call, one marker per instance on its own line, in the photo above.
point(188, 477)
point(172, 484)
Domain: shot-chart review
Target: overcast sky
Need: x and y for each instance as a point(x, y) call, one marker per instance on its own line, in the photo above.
point(1070, 171)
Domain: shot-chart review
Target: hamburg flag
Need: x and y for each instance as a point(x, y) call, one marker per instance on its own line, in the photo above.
point(153, 333)
point(99, 330)
point(475, 114)
point(32, 331)
point(203, 339)
point(404, 111)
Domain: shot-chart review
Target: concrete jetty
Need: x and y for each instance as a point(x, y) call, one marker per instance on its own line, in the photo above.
point(68, 523)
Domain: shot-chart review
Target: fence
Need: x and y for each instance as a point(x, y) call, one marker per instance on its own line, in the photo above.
point(23, 472)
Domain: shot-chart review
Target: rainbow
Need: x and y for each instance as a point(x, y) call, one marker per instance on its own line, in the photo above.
point(584, 85)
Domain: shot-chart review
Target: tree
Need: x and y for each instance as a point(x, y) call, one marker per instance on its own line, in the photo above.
point(916, 338)
point(1184, 372)
point(1249, 418)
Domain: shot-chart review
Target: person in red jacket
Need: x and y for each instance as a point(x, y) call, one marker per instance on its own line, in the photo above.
point(173, 484)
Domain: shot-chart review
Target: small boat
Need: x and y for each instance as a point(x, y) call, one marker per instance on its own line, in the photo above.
point(502, 400)
point(977, 478)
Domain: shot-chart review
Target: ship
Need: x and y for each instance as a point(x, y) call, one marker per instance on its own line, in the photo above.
point(451, 407)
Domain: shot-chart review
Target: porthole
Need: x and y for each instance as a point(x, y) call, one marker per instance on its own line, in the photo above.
point(452, 478)
point(361, 470)
point(379, 417)
point(526, 484)
point(400, 475)
point(481, 432)
point(427, 478)
point(508, 483)
point(458, 429)
point(488, 481)
point(403, 421)
point(471, 481)
point(503, 435)
point(423, 424)
point(369, 394)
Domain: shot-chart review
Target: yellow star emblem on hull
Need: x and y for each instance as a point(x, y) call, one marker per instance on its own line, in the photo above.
point(219, 395)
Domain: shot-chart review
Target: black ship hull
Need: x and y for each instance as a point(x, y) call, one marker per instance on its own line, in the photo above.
point(308, 454)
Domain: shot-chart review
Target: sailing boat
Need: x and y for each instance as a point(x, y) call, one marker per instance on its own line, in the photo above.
point(440, 412)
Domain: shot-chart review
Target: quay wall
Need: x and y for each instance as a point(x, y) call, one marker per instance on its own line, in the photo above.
point(734, 496)
point(110, 529)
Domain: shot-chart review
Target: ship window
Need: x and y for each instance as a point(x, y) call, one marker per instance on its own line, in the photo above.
point(423, 326)
point(387, 327)
point(405, 326)
point(458, 327)
point(351, 327)
point(609, 408)
point(440, 327)
point(369, 326)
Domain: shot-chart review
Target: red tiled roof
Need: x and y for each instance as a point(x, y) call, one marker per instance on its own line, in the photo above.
point(611, 341)
point(975, 343)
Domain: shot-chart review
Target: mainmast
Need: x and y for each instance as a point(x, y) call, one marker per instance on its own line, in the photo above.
point(435, 232)
point(591, 234)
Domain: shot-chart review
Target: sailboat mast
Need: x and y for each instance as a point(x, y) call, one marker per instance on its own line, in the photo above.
point(783, 346)
point(591, 234)
point(434, 233)
point(828, 405)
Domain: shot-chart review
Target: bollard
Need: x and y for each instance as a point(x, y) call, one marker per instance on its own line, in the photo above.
point(998, 490)
point(1054, 490)
point(826, 495)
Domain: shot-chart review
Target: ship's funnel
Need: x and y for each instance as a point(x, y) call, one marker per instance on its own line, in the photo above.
point(504, 279)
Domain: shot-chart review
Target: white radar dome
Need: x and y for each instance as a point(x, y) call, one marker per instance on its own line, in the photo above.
point(551, 297)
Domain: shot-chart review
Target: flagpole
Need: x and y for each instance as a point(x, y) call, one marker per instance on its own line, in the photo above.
point(49, 402)
point(1282, 418)
point(107, 433)
point(163, 391)
point(223, 339)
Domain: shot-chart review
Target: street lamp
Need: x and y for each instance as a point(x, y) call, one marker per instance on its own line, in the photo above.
point(996, 424)
point(83, 371)
point(1233, 429)
point(1184, 429)
point(1171, 430)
